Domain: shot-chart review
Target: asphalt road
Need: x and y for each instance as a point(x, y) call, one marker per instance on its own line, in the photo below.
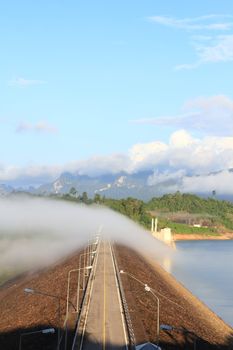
point(104, 328)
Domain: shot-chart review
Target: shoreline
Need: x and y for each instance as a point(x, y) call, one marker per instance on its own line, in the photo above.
point(202, 237)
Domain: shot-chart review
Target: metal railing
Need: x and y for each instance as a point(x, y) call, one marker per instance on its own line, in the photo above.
point(131, 335)
point(85, 299)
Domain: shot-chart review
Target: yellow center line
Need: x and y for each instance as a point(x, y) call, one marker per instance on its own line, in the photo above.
point(104, 316)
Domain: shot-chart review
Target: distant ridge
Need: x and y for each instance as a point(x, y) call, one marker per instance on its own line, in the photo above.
point(142, 185)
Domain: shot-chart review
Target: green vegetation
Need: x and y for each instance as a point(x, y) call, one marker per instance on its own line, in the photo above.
point(178, 211)
point(135, 209)
point(187, 229)
point(220, 213)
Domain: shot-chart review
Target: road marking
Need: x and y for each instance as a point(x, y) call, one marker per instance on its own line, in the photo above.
point(119, 300)
point(104, 315)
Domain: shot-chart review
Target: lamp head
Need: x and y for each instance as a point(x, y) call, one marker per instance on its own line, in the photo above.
point(48, 330)
point(147, 288)
point(29, 290)
point(166, 327)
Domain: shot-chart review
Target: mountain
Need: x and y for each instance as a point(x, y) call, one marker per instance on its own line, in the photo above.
point(116, 186)
point(142, 185)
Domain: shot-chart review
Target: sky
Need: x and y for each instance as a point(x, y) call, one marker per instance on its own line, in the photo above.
point(105, 86)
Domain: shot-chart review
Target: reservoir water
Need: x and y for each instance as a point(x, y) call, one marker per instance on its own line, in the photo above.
point(206, 269)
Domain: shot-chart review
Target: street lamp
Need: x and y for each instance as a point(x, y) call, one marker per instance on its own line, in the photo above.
point(33, 291)
point(68, 288)
point(43, 331)
point(68, 295)
point(167, 327)
point(147, 289)
point(93, 241)
point(91, 254)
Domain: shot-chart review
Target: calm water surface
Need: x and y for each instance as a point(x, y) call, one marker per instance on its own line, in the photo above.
point(206, 269)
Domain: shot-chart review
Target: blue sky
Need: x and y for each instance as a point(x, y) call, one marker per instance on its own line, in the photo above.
point(84, 79)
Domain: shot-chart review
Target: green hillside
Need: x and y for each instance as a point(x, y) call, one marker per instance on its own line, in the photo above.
point(180, 212)
point(214, 212)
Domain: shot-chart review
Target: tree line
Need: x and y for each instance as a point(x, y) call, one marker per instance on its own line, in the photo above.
point(220, 213)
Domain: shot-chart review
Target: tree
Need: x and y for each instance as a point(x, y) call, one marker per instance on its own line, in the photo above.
point(84, 198)
point(97, 198)
point(73, 192)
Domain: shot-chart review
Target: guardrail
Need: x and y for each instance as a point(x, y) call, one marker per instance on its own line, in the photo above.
point(63, 337)
point(131, 335)
point(84, 301)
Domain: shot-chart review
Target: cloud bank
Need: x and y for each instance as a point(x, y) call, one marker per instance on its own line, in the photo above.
point(221, 182)
point(185, 154)
point(182, 154)
point(37, 232)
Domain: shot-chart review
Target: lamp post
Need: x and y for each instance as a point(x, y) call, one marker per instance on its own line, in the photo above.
point(150, 290)
point(68, 295)
point(32, 291)
point(91, 254)
point(43, 331)
point(167, 327)
point(68, 288)
point(92, 241)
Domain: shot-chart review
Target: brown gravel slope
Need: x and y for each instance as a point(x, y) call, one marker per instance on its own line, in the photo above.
point(21, 312)
point(178, 307)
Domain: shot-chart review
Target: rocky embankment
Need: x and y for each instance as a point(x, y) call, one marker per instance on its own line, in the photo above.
point(197, 325)
point(22, 312)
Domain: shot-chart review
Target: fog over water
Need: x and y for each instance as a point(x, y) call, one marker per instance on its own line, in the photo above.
point(36, 232)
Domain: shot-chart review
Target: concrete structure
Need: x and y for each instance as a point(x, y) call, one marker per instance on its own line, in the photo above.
point(154, 225)
point(164, 235)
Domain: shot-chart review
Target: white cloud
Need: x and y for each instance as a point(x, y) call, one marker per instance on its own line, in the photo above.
point(218, 49)
point(39, 127)
point(170, 182)
point(208, 115)
point(220, 182)
point(144, 156)
point(22, 82)
point(12, 172)
point(221, 50)
point(98, 165)
point(181, 139)
point(169, 178)
point(208, 22)
point(212, 45)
